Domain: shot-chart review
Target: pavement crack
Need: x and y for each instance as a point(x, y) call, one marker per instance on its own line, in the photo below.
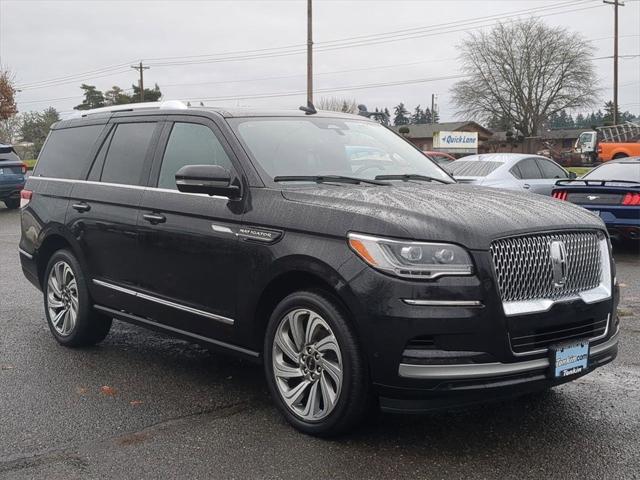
point(69, 455)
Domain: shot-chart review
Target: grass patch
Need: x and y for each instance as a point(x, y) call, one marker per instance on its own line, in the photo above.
point(579, 170)
point(30, 163)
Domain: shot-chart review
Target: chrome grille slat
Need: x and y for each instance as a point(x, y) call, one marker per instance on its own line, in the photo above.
point(524, 270)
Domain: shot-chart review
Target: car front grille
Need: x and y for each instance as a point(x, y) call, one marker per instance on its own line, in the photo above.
point(542, 338)
point(524, 269)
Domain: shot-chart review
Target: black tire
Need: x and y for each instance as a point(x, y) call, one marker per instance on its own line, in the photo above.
point(620, 155)
point(90, 326)
point(354, 399)
point(12, 203)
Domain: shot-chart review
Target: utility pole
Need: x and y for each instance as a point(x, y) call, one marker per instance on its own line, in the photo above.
point(433, 108)
point(309, 52)
point(616, 4)
point(140, 68)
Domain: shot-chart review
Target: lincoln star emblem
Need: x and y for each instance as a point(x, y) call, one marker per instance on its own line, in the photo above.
point(558, 262)
point(592, 197)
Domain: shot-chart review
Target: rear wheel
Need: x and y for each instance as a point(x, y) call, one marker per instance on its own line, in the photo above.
point(314, 365)
point(620, 155)
point(12, 203)
point(67, 304)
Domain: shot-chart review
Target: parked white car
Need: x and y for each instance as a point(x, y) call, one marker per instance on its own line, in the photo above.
point(513, 171)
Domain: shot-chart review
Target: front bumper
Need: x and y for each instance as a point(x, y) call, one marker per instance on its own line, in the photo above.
point(456, 346)
point(464, 385)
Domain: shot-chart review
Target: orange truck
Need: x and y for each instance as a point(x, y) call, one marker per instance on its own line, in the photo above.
point(606, 143)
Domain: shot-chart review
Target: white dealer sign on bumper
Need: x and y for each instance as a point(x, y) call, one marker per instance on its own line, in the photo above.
point(456, 142)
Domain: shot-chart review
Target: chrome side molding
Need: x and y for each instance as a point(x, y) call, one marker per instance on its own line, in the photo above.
point(161, 301)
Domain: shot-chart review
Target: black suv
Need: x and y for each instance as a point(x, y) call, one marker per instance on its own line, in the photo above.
point(323, 245)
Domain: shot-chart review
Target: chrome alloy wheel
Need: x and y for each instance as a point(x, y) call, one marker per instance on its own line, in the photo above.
point(307, 364)
point(62, 298)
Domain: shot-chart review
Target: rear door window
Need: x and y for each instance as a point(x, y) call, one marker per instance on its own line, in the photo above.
point(67, 152)
point(190, 144)
point(125, 160)
point(528, 169)
point(550, 170)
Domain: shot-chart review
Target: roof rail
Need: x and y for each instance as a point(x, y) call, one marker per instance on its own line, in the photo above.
point(129, 107)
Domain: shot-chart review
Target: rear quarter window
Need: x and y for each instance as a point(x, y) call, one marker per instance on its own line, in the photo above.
point(67, 152)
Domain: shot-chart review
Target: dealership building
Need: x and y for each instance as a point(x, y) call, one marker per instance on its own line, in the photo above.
point(451, 137)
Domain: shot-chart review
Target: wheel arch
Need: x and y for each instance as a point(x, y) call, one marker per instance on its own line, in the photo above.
point(296, 274)
point(52, 241)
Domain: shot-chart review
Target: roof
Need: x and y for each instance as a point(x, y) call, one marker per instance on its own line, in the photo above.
point(625, 160)
point(427, 130)
point(561, 133)
point(176, 106)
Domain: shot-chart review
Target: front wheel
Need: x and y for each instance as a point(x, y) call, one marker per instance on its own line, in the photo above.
point(314, 365)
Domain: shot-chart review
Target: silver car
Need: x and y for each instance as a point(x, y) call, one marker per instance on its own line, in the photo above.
point(513, 171)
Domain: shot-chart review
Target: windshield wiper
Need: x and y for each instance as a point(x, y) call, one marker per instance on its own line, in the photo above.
point(326, 179)
point(411, 176)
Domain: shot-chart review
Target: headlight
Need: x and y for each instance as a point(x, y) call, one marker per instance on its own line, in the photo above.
point(411, 259)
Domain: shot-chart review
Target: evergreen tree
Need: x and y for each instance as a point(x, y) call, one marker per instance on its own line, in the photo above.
point(93, 98)
point(35, 127)
point(418, 116)
point(116, 96)
point(401, 115)
point(428, 118)
point(150, 94)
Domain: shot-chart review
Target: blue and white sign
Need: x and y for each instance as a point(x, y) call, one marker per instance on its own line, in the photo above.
point(466, 142)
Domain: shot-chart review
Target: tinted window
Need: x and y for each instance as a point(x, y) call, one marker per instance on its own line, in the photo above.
point(190, 144)
point(616, 171)
point(125, 159)
point(551, 170)
point(66, 154)
point(462, 168)
point(529, 169)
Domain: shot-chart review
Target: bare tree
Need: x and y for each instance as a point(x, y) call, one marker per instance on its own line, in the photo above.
point(524, 72)
point(10, 129)
point(337, 104)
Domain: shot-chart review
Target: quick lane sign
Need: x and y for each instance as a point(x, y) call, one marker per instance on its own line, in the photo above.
point(456, 141)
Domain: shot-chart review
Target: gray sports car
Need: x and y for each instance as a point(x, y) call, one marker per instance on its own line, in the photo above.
point(513, 171)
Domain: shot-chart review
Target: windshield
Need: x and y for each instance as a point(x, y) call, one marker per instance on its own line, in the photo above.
point(309, 146)
point(463, 168)
point(615, 171)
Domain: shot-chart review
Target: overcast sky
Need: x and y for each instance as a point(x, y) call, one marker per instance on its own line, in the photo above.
point(65, 43)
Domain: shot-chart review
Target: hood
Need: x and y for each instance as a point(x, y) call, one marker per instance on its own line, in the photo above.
point(469, 215)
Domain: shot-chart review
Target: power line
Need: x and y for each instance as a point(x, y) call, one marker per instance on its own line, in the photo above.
point(360, 38)
point(322, 47)
point(328, 90)
point(370, 39)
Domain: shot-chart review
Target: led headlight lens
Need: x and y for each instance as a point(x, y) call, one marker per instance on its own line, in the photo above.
point(411, 259)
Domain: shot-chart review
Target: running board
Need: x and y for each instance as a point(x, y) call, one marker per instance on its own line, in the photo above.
point(129, 317)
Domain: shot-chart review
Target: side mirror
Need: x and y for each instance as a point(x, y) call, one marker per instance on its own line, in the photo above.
point(573, 175)
point(208, 179)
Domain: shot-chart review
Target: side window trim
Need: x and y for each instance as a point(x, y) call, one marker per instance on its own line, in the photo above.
point(95, 172)
point(154, 176)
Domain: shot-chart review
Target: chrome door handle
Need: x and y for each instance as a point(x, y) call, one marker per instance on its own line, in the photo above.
point(526, 186)
point(81, 207)
point(154, 218)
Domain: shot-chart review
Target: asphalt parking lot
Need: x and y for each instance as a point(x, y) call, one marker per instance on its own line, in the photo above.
point(143, 405)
